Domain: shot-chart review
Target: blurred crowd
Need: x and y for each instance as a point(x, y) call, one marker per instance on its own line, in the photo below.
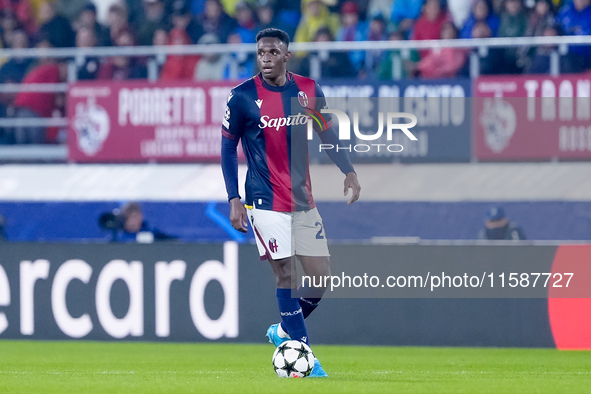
point(76, 23)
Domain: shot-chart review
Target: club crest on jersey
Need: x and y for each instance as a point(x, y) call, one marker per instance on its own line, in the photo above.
point(273, 245)
point(303, 99)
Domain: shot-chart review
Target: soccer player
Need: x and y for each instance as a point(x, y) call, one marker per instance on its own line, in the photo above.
point(279, 204)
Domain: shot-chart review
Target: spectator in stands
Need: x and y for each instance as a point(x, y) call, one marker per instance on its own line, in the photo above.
point(541, 17)
point(379, 7)
point(445, 62)
point(376, 32)
point(179, 67)
point(197, 7)
point(117, 21)
point(315, 14)
point(14, 70)
point(289, 14)
point(8, 24)
point(481, 12)
point(429, 24)
point(574, 19)
point(128, 225)
point(513, 24)
point(133, 222)
point(239, 65)
point(492, 61)
point(183, 20)
point(35, 6)
point(404, 13)
point(247, 23)
point(332, 64)
point(87, 19)
point(229, 7)
point(459, 11)
point(155, 18)
point(211, 67)
point(123, 67)
point(22, 13)
point(216, 21)
point(55, 28)
point(352, 30)
point(31, 105)
point(540, 60)
point(266, 15)
point(89, 66)
point(498, 227)
point(378, 28)
point(70, 9)
point(394, 66)
point(160, 38)
point(135, 11)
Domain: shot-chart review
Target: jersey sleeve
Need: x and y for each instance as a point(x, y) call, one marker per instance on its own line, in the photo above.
point(232, 130)
point(321, 104)
point(232, 124)
point(328, 135)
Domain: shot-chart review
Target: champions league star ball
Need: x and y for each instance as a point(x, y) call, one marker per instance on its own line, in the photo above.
point(293, 359)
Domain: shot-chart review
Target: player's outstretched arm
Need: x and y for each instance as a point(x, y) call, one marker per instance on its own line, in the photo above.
point(351, 182)
point(238, 216)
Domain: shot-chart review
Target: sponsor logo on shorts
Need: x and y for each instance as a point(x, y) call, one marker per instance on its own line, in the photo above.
point(273, 245)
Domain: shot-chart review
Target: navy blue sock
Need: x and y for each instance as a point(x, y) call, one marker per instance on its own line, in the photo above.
point(308, 305)
point(292, 320)
point(309, 298)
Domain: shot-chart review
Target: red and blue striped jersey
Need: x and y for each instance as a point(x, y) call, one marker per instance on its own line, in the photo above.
point(270, 121)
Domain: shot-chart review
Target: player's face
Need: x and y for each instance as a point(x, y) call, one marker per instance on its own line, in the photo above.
point(272, 56)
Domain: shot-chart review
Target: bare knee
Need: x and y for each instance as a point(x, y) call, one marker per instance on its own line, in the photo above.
point(316, 266)
point(282, 272)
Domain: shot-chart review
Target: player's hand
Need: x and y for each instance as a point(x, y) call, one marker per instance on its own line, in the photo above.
point(352, 183)
point(238, 216)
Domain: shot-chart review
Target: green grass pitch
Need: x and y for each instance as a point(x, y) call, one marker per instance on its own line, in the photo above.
point(127, 367)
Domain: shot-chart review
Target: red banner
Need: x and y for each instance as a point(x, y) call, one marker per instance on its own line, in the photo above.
point(146, 122)
point(532, 118)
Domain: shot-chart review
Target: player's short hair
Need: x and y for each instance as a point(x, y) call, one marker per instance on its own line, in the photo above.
point(273, 33)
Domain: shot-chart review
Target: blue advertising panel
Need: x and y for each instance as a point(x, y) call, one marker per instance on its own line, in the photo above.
point(442, 108)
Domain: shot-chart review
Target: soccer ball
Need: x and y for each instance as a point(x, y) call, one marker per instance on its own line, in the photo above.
point(293, 359)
